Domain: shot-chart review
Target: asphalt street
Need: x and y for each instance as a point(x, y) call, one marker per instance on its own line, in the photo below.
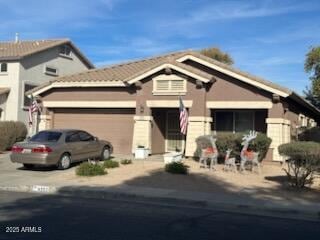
point(38, 216)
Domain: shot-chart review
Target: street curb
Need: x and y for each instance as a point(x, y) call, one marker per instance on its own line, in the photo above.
point(102, 193)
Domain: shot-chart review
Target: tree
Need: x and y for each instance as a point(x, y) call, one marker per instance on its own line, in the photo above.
point(217, 54)
point(312, 66)
point(310, 97)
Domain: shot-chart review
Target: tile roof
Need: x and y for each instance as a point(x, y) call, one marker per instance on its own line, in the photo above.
point(119, 72)
point(125, 71)
point(21, 49)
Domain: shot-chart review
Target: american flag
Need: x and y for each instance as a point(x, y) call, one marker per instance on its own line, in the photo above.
point(34, 107)
point(183, 118)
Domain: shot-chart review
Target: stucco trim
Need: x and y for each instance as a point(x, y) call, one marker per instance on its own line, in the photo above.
point(199, 119)
point(168, 65)
point(89, 104)
point(76, 85)
point(239, 104)
point(278, 121)
point(168, 103)
point(143, 118)
point(233, 74)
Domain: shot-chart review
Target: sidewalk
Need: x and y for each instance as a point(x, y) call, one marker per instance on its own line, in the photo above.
point(147, 182)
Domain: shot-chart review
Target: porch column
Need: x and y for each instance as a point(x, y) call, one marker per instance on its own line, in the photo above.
point(142, 132)
point(197, 126)
point(44, 122)
point(278, 129)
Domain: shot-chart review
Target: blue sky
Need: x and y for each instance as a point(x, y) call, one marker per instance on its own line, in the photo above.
point(268, 38)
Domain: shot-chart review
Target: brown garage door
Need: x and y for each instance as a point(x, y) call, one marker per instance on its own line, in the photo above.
point(113, 125)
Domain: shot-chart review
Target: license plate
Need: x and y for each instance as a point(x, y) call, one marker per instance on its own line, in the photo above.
point(26, 151)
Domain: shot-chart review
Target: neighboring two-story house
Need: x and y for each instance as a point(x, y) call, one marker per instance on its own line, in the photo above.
point(27, 64)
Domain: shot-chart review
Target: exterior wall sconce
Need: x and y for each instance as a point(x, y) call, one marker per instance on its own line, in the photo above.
point(275, 98)
point(141, 108)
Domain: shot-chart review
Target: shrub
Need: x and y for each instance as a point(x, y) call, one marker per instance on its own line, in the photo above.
point(11, 132)
point(176, 168)
point(303, 161)
point(233, 141)
point(126, 161)
point(110, 164)
point(21, 131)
point(311, 134)
point(261, 144)
point(88, 169)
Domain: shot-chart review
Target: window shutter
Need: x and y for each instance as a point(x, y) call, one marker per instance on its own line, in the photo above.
point(177, 85)
point(162, 85)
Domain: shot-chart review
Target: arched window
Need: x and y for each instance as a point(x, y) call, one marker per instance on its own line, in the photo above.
point(3, 67)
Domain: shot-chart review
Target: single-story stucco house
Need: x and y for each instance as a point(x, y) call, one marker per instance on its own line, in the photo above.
point(136, 103)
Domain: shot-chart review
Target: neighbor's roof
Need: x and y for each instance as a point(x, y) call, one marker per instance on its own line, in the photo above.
point(21, 49)
point(4, 90)
point(123, 72)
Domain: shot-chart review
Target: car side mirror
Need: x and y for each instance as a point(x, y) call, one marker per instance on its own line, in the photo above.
point(95, 139)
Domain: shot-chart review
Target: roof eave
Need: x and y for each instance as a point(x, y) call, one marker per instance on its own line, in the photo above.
point(85, 60)
point(10, 58)
point(296, 97)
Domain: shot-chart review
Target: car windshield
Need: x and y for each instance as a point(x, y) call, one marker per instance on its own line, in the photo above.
point(46, 137)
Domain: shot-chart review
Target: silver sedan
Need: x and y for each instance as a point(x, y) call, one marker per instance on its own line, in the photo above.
point(60, 147)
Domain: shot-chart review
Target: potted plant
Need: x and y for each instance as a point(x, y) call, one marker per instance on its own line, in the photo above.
point(141, 152)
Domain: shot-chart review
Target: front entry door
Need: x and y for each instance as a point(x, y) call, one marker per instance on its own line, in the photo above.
point(174, 139)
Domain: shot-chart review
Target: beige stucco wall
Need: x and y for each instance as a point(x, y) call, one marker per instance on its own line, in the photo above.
point(142, 132)
point(197, 126)
point(278, 129)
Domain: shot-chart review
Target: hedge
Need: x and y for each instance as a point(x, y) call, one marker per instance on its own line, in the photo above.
point(303, 161)
point(311, 134)
point(233, 141)
point(10, 133)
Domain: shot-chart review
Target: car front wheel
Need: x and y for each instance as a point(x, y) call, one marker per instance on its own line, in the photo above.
point(105, 154)
point(64, 162)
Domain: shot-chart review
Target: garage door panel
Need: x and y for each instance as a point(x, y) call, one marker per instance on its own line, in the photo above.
point(115, 126)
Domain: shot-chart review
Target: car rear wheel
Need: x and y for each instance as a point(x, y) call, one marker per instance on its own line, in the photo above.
point(64, 162)
point(28, 166)
point(105, 154)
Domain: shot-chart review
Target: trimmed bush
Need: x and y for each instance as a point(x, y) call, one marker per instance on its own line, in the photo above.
point(126, 161)
point(176, 168)
point(110, 164)
point(233, 141)
point(311, 134)
point(303, 161)
point(88, 169)
point(10, 133)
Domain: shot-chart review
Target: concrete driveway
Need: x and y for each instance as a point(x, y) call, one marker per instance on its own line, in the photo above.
point(13, 174)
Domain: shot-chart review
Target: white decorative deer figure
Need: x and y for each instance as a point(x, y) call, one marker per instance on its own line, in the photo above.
point(229, 163)
point(247, 155)
point(210, 153)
